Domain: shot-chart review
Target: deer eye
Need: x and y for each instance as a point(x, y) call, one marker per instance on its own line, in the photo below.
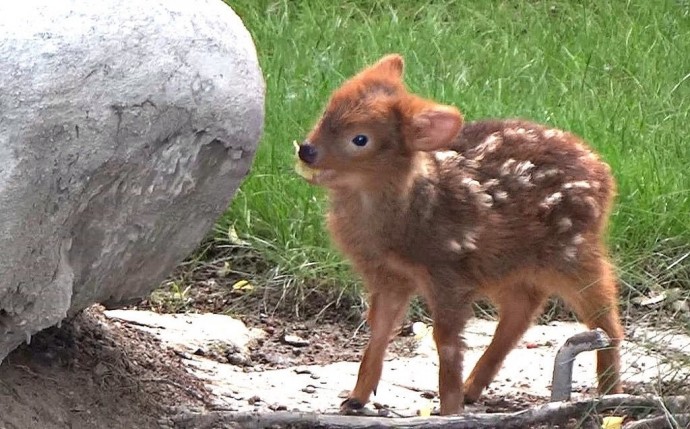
point(360, 140)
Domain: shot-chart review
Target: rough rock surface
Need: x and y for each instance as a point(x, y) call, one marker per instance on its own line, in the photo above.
point(125, 130)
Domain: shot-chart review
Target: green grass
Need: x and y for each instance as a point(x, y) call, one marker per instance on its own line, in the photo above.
point(615, 72)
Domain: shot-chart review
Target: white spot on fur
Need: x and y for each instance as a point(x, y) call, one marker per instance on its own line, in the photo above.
point(472, 184)
point(490, 183)
point(365, 200)
point(580, 184)
point(551, 133)
point(454, 246)
point(471, 164)
point(592, 203)
point(525, 181)
point(445, 154)
point(485, 199)
point(581, 147)
point(549, 173)
point(470, 241)
point(523, 168)
point(489, 145)
point(578, 239)
point(506, 167)
point(564, 224)
point(500, 196)
point(523, 133)
point(552, 200)
point(570, 253)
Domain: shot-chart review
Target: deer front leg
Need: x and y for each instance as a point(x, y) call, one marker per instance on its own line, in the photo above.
point(450, 313)
point(386, 309)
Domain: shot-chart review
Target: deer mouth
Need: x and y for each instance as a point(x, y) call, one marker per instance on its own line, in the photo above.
point(315, 176)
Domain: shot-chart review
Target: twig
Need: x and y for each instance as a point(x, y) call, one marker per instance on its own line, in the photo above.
point(551, 414)
point(188, 390)
point(34, 374)
point(134, 322)
point(416, 389)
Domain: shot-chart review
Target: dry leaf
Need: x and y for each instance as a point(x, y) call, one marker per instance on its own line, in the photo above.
point(242, 285)
point(225, 270)
point(612, 422)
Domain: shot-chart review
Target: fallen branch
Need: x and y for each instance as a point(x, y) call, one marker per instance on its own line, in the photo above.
point(661, 422)
point(551, 414)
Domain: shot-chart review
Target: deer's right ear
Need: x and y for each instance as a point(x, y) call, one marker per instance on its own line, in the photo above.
point(435, 127)
point(391, 65)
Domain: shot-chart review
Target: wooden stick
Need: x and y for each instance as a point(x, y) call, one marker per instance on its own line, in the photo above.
point(552, 413)
point(661, 422)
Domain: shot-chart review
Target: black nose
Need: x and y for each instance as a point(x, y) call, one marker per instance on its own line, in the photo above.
point(307, 153)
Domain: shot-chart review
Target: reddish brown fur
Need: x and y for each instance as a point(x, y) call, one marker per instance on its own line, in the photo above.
point(429, 208)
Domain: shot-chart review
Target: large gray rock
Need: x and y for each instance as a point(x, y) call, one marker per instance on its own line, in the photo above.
point(125, 129)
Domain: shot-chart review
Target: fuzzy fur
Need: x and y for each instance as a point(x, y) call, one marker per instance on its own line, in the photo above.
point(507, 210)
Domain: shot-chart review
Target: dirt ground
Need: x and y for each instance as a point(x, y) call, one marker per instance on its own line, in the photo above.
point(93, 372)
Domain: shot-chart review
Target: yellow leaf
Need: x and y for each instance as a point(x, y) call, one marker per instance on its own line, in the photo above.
point(425, 411)
point(242, 285)
point(301, 168)
point(234, 238)
point(612, 422)
point(227, 268)
point(420, 330)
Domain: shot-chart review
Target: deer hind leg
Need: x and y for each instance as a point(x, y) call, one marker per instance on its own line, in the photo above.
point(595, 301)
point(387, 308)
point(517, 308)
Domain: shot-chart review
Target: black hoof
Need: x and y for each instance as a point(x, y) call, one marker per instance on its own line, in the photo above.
point(351, 406)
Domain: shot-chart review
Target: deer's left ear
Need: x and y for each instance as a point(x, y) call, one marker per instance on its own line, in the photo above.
point(434, 127)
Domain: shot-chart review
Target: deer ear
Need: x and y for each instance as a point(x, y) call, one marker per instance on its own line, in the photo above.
point(434, 128)
point(391, 65)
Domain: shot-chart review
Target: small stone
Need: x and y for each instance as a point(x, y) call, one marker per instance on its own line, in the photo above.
point(294, 340)
point(238, 359)
point(309, 389)
point(302, 371)
point(428, 394)
point(253, 400)
point(344, 394)
point(275, 359)
point(315, 376)
point(100, 370)
point(182, 354)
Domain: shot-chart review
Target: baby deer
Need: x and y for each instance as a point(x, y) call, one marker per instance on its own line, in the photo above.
point(506, 210)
